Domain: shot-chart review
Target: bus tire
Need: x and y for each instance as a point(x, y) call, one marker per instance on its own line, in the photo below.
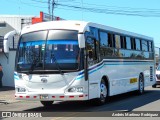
point(141, 85)
point(46, 103)
point(154, 86)
point(103, 94)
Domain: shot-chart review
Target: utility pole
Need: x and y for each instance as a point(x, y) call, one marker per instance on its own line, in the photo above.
point(49, 9)
point(53, 4)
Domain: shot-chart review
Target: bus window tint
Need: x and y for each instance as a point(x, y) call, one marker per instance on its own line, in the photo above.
point(133, 45)
point(117, 40)
point(110, 40)
point(128, 42)
point(138, 45)
point(150, 46)
point(94, 32)
point(91, 49)
point(123, 42)
point(144, 45)
point(103, 39)
point(62, 48)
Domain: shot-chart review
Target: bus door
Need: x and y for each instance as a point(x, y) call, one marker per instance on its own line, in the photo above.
point(92, 59)
point(91, 51)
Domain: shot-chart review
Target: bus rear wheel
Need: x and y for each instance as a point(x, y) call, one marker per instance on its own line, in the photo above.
point(154, 86)
point(46, 103)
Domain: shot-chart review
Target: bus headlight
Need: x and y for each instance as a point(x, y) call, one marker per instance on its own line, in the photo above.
point(80, 89)
point(74, 89)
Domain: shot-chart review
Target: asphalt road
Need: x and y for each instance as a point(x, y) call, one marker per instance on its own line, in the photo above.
point(149, 101)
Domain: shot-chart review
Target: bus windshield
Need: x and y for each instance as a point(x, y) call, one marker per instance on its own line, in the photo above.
point(54, 50)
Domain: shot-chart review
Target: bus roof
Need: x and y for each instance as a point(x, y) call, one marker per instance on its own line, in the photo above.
point(62, 25)
point(80, 26)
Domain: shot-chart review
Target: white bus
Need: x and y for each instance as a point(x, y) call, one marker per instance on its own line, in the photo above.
point(75, 60)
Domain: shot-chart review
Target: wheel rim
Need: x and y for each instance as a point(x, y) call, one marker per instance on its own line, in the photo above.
point(103, 91)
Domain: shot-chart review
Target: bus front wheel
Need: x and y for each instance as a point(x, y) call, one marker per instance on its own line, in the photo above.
point(103, 94)
point(46, 103)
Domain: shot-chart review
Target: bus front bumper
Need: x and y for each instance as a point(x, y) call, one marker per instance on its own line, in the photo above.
point(52, 97)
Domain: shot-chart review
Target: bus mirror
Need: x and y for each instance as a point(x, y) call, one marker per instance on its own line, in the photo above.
point(7, 38)
point(81, 40)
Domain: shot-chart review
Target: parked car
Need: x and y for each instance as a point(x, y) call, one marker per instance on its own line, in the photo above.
point(157, 77)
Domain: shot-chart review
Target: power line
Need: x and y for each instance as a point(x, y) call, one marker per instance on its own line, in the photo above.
point(40, 1)
point(51, 6)
point(115, 10)
point(146, 13)
point(98, 5)
point(30, 4)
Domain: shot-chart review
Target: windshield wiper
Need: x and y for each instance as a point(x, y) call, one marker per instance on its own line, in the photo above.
point(55, 60)
point(33, 65)
point(35, 61)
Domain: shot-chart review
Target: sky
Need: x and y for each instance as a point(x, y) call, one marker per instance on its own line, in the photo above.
point(106, 12)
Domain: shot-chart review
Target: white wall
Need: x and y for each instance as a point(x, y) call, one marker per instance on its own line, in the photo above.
point(15, 21)
point(8, 68)
point(8, 64)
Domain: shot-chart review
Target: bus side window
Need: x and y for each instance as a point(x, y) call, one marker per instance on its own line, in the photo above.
point(133, 44)
point(128, 43)
point(91, 50)
point(117, 41)
point(110, 40)
point(138, 44)
point(123, 42)
point(144, 45)
point(150, 46)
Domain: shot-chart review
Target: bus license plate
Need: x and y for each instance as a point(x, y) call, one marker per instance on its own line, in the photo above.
point(43, 96)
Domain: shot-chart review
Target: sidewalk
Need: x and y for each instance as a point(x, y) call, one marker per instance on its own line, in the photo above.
point(7, 95)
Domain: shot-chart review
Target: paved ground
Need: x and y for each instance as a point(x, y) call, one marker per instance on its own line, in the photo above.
point(148, 102)
point(7, 95)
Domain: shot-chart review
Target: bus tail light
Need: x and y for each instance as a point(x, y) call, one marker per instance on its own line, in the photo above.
point(81, 95)
point(61, 96)
point(53, 96)
point(20, 96)
point(27, 96)
point(71, 96)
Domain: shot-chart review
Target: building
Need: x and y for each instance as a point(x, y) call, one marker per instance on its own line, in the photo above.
point(9, 23)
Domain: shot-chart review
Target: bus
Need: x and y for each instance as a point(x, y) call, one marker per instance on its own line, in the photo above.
point(79, 61)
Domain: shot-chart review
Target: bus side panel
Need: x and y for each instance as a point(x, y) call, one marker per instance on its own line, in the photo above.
point(124, 76)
